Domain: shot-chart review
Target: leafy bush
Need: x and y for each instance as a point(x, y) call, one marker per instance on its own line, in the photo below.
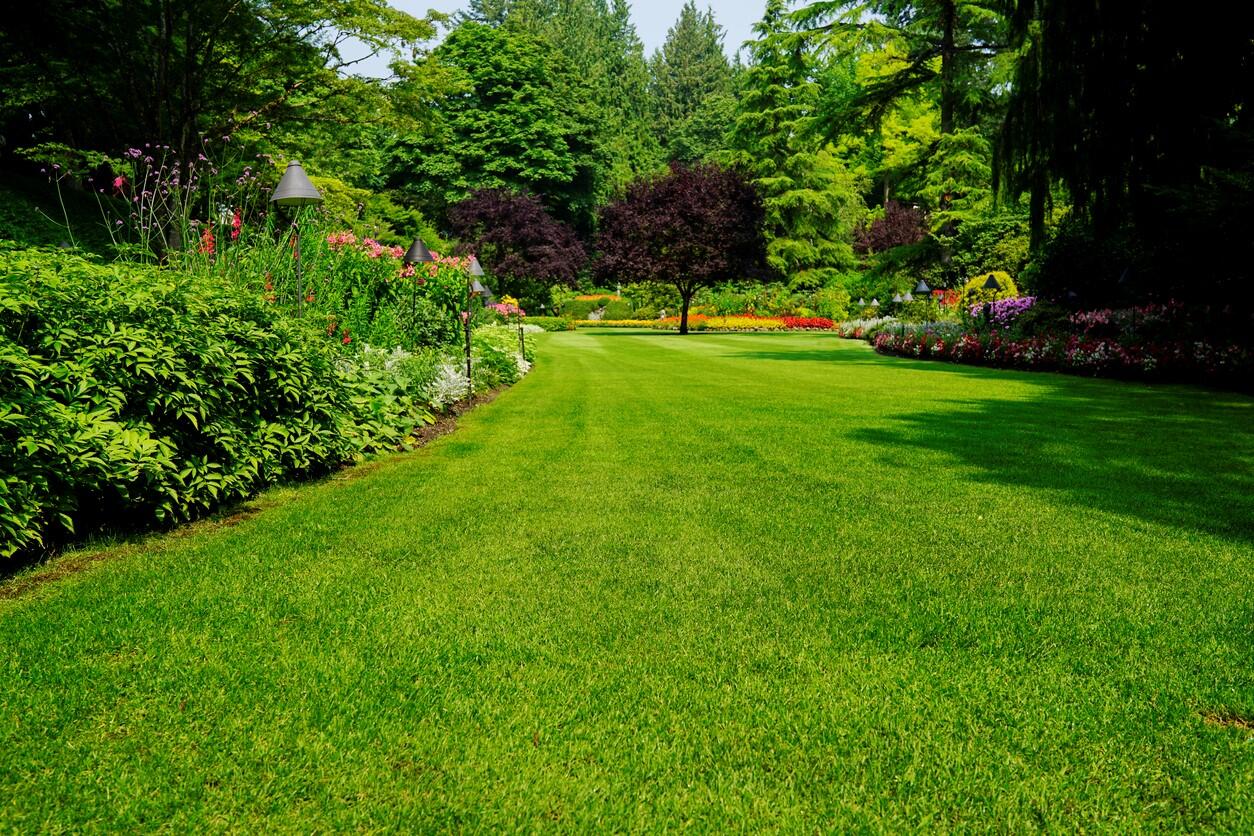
point(974, 292)
point(619, 309)
point(552, 323)
point(581, 308)
point(130, 395)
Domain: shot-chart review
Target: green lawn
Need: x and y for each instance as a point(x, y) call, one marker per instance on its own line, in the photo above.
point(716, 581)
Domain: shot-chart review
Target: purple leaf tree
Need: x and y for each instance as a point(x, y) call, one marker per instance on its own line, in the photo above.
point(691, 227)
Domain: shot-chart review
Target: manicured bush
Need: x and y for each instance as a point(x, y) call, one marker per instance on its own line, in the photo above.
point(131, 395)
point(974, 292)
point(552, 323)
point(619, 309)
point(580, 308)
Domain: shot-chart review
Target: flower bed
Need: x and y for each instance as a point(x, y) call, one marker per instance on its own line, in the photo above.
point(701, 322)
point(1076, 354)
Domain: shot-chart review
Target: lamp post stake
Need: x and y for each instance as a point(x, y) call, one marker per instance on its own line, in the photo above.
point(295, 190)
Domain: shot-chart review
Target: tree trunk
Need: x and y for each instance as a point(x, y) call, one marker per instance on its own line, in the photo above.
point(683, 316)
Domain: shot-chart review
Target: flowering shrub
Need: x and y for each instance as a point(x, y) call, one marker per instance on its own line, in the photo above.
point(1002, 313)
point(858, 329)
point(807, 323)
point(703, 322)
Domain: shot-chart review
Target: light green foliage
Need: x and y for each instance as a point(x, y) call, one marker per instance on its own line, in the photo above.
point(811, 199)
point(129, 395)
point(122, 71)
point(974, 292)
point(552, 323)
point(958, 179)
point(877, 594)
point(373, 214)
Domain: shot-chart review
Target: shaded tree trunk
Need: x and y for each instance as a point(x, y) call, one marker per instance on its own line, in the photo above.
point(686, 295)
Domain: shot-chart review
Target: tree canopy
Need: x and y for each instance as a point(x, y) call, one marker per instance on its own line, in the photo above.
point(694, 226)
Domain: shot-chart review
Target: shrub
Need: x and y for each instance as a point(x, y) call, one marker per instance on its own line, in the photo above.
point(619, 309)
point(974, 292)
point(581, 308)
point(552, 323)
point(131, 395)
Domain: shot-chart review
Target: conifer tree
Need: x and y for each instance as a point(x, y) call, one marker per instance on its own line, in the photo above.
point(812, 202)
point(689, 71)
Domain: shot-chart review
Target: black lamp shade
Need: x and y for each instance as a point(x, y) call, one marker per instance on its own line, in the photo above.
point(921, 288)
point(476, 269)
point(992, 283)
point(418, 253)
point(295, 189)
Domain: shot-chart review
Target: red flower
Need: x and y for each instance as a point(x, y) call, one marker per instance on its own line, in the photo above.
point(236, 222)
point(206, 242)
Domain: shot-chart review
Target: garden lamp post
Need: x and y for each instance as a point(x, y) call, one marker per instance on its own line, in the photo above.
point(416, 254)
point(921, 289)
point(295, 191)
point(473, 288)
point(990, 284)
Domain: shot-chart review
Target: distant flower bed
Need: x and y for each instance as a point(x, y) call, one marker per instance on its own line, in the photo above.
point(701, 322)
point(1078, 354)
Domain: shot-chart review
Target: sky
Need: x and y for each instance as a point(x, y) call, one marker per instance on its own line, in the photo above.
point(652, 18)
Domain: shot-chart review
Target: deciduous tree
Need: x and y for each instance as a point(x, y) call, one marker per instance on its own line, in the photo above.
point(695, 226)
point(519, 243)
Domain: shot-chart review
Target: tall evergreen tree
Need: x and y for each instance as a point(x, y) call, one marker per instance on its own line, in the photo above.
point(1143, 114)
point(689, 71)
point(812, 202)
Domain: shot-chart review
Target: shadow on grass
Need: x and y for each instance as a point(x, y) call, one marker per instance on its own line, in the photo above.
point(1174, 456)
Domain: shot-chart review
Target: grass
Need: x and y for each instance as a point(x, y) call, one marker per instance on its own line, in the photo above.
point(719, 582)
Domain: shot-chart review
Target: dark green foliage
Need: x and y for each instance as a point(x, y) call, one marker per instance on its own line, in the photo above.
point(691, 84)
point(512, 123)
point(1142, 112)
point(948, 45)
point(113, 73)
point(130, 396)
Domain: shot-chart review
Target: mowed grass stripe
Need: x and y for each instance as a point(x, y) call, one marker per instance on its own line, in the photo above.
point(722, 581)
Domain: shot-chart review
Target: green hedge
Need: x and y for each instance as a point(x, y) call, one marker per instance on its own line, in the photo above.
point(552, 323)
point(131, 395)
